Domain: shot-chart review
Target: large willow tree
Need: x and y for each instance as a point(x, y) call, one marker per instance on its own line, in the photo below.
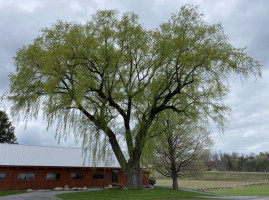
point(108, 79)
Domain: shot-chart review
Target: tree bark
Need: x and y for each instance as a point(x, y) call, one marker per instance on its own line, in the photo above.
point(134, 176)
point(175, 183)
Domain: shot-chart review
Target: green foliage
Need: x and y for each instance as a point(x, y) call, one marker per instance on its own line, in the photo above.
point(6, 130)
point(107, 80)
point(132, 194)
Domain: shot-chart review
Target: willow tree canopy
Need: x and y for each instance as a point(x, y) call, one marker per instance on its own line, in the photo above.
point(113, 76)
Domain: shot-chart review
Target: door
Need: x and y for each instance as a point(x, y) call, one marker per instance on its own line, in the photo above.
point(115, 176)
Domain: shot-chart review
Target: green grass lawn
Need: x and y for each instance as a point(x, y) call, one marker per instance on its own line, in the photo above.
point(201, 184)
point(211, 180)
point(226, 176)
point(6, 193)
point(233, 176)
point(131, 194)
point(247, 191)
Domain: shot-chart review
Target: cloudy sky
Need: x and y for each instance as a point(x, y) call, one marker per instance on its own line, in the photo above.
point(246, 22)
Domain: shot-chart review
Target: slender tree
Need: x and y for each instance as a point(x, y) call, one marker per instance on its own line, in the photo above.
point(178, 148)
point(6, 130)
point(108, 79)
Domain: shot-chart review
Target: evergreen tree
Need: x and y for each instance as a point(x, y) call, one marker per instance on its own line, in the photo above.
point(6, 130)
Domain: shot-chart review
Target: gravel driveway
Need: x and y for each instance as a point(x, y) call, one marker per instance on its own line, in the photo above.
point(48, 195)
point(35, 195)
point(38, 195)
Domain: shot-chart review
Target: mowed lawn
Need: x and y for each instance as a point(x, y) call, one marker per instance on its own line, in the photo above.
point(131, 194)
point(6, 193)
point(211, 180)
point(201, 184)
point(246, 191)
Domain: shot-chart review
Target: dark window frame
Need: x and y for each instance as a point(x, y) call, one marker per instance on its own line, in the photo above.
point(4, 176)
point(56, 178)
point(77, 176)
point(27, 177)
point(98, 176)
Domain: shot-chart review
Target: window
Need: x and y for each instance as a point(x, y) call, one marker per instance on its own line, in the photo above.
point(76, 176)
point(98, 176)
point(53, 176)
point(26, 177)
point(2, 176)
point(115, 176)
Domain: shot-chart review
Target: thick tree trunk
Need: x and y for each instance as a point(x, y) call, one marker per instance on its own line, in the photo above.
point(134, 176)
point(175, 183)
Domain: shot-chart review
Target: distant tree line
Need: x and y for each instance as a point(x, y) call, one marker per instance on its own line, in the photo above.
point(237, 162)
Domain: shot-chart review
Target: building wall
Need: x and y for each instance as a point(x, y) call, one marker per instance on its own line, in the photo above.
point(11, 181)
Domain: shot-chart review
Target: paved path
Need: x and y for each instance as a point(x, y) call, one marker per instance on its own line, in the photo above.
point(35, 195)
point(237, 198)
point(38, 195)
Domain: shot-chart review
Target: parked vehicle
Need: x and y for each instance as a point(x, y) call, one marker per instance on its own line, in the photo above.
point(152, 181)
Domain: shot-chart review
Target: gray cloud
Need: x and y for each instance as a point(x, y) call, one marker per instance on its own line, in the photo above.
point(36, 133)
point(245, 22)
point(248, 128)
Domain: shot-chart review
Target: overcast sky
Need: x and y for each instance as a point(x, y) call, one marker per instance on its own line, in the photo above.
point(246, 22)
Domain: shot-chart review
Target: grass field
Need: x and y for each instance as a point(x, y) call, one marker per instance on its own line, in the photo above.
point(216, 180)
point(202, 185)
point(247, 191)
point(234, 176)
point(6, 193)
point(131, 194)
